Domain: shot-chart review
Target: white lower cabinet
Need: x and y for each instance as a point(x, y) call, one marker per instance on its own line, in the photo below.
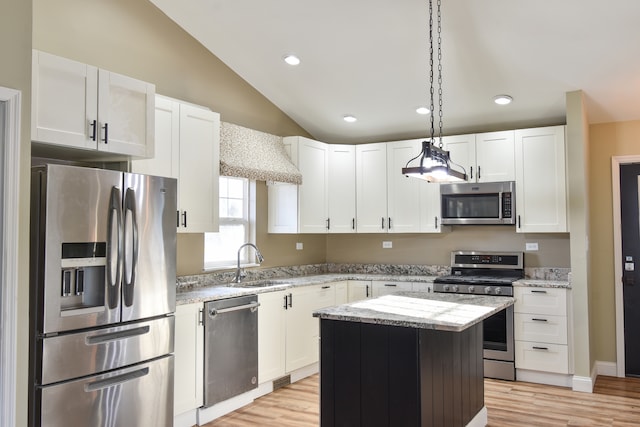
point(271, 335)
point(188, 358)
point(541, 331)
point(288, 334)
point(359, 290)
point(386, 288)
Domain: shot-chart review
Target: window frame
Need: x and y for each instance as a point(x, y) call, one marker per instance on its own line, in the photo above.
point(249, 218)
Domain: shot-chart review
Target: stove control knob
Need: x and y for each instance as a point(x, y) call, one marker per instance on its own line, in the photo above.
point(445, 288)
point(472, 289)
point(455, 288)
point(487, 290)
point(498, 291)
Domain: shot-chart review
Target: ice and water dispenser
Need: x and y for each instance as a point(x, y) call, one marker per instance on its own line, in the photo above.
point(83, 276)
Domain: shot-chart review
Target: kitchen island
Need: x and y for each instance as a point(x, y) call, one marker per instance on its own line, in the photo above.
point(407, 359)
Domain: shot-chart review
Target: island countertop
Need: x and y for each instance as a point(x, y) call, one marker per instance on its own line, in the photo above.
point(446, 312)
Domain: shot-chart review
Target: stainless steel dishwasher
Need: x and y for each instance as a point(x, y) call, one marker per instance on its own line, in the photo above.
point(231, 348)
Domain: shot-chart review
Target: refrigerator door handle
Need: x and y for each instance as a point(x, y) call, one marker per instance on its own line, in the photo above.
point(113, 381)
point(114, 254)
point(130, 255)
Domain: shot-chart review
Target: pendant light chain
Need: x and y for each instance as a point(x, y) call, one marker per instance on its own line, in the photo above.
point(431, 107)
point(440, 72)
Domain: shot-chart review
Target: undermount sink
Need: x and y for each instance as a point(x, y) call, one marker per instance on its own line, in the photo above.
point(259, 284)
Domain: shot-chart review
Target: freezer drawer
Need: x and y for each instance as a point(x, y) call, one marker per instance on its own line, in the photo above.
point(140, 395)
point(98, 350)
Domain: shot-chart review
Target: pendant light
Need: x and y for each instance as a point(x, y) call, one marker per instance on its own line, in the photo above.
point(435, 164)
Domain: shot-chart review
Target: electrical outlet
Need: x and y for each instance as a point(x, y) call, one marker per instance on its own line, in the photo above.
point(387, 244)
point(531, 246)
point(299, 246)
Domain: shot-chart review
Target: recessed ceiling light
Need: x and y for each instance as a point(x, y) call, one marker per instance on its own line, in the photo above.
point(291, 59)
point(502, 99)
point(422, 110)
point(349, 118)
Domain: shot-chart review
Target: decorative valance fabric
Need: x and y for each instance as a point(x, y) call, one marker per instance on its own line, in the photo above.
point(247, 153)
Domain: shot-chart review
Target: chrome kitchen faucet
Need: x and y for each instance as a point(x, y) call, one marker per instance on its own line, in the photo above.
point(240, 273)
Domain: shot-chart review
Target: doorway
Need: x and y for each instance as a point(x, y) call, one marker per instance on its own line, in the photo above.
point(626, 236)
point(630, 230)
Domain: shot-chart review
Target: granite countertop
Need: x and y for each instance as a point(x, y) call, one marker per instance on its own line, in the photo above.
point(446, 312)
point(216, 292)
point(540, 283)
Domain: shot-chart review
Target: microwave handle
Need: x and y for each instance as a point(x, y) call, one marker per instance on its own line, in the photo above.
point(500, 204)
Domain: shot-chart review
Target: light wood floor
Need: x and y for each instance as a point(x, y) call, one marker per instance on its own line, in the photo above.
point(614, 402)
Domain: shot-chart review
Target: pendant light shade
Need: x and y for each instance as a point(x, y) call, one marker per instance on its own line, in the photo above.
point(434, 164)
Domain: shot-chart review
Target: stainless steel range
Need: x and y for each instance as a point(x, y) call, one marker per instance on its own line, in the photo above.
point(488, 273)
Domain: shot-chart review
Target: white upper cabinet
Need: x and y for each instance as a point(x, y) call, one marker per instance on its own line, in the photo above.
point(495, 156)
point(541, 197)
point(80, 106)
point(371, 188)
point(342, 188)
point(486, 157)
point(313, 196)
point(403, 193)
point(188, 148)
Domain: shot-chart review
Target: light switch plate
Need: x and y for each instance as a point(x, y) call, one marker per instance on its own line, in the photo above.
point(299, 246)
point(531, 246)
point(387, 244)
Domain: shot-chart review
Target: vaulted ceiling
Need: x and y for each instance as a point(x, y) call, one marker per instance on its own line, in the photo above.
point(370, 59)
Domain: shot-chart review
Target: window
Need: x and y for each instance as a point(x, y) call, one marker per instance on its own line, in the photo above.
point(237, 225)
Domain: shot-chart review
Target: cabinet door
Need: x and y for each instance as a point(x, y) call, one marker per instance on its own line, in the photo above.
point(125, 115)
point(371, 188)
point(188, 362)
point(313, 209)
point(199, 169)
point(495, 156)
point(303, 331)
point(282, 206)
point(64, 103)
point(342, 188)
point(359, 290)
point(386, 288)
point(541, 197)
point(342, 292)
point(462, 152)
point(430, 212)
point(165, 162)
point(403, 194)
point(271, 335)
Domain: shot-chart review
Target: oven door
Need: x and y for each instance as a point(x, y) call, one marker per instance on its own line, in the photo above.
point(498, 336)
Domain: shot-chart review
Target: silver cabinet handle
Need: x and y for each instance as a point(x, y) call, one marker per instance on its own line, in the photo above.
point(253, 306)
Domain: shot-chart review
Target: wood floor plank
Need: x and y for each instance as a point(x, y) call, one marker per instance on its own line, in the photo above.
point(614, 402)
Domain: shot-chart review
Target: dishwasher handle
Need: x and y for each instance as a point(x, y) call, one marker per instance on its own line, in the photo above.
point(251, 306)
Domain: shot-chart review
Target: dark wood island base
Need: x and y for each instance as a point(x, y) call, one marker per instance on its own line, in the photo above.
point(380, 375)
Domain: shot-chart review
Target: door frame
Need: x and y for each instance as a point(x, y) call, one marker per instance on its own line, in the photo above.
point(616, 162)
point(10, 221)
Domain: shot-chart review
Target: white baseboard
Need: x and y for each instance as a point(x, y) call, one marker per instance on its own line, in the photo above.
point(305, 372)
point(583, 384)
point(186, 419)
point(609, 369)
point(540, 377)
point(480, 420)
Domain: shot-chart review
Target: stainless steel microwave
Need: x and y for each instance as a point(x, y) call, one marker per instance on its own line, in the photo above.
point(478, 203)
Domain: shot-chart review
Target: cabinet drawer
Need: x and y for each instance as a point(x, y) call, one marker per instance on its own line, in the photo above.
point(540, 328)
point(540, 300)
point(542, 357)
point(385, 288)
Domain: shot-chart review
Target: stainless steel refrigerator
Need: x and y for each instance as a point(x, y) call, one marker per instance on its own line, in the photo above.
point(103, 249)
